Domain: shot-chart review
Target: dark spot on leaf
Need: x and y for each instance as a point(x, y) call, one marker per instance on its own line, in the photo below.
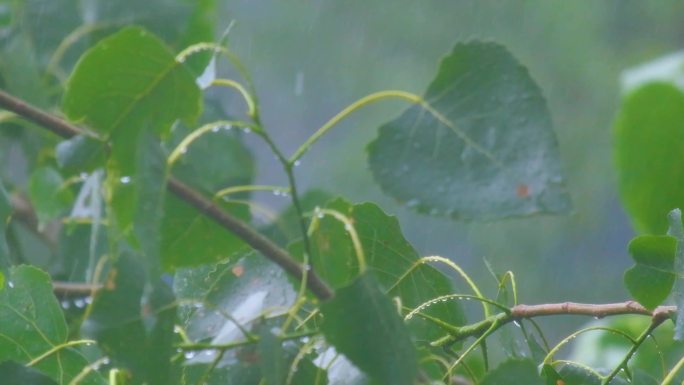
point(523, 191)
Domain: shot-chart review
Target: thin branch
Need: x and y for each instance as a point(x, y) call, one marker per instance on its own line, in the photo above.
point(75, 288)
point(519, 312)
point(253, 238)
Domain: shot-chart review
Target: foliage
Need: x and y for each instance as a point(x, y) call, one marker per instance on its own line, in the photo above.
point(147, 202)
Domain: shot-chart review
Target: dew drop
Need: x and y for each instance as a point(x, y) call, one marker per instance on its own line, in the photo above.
point(297, 163)
point(83, 175)
point(189, 355)
point(79, 303)
point(347, 227)
point(215, 129)
point(125, 179)
point(246, 130)
point(10, 284)
point(183, 150)
point(228, 127)
point(65, 304)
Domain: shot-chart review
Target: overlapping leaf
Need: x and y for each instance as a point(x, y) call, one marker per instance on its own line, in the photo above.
point(481, 148)
point(33, 330)
point(650, 280)
point(391, 259)
point(362, 323)
point(649, 135)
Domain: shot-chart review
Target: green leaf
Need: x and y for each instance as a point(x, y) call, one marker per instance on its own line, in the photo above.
point(128, 82)
point(134, 336)
point(363, 324)
point(33, 325)
point(513, 372)
point(677, 231)
point(650, 280)
point(390, 258)
point(649, 135)
point(190, 238)
point(5, 213)
point(485, 149)
point(243, 288)
point(15, 374)
point(80, 154)
point(271, 357)
point(49, 196)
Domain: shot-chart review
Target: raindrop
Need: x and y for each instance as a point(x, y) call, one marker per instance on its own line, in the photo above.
point(183, 150)
point(79, 303)
point(125, 179)
point(307, 267)
point(10, 284)
point(246, 130)
point(65, 304)
point(88, 300)
point(412, 203)
point(347, 227)
point(277, 192)
point(516, 323)
point(228, 127)
point(189, 355)
point(297, 163)
point(215, 129)
point(83, 175)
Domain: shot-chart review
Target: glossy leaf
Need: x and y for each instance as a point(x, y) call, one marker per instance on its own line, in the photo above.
point(650, 280)
point(582, 375)
point(243, 289)
point(513, 372)
point(49, 196)
point(15, 374)
point(390, 259)
point(649, 135)
point(362, 323)
point(484, 149)
point(135, 337)
point(128, 82)
point(33, 326)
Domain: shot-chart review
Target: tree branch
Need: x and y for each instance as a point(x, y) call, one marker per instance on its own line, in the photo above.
point(519, 312)
point(253, 238)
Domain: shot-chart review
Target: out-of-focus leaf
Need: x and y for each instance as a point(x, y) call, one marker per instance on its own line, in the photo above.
point(271, 357)
point(484, 149)
point(133, 336)
point(128, 82)
point(15, 374)
point(19, 70)
point(581, 375)
point(649, 136)
point(49, 196)
point(75, 245)
point(390, 259)
point(650, 280)
point(513, 372)
point(80, 154)
point(362, 323)
point(34, 322)
point(5, 213)
point(677, 231)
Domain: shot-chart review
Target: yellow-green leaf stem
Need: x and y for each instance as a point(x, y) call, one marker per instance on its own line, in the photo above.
point(182, 147)
point(452, 265)
point(366, 100)
point(349, 226)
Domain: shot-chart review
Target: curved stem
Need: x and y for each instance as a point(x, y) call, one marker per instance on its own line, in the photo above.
point(635, 346)
point(248, 188)
point(366, 100)
point(182, 147)
point(349, 227)
point(251, 105)
point(671, 375)
point(57, 348)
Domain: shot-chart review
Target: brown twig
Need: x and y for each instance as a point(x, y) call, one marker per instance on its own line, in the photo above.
point(518, 312)
point(253, 238)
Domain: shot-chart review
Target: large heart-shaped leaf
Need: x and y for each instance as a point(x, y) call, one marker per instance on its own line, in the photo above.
point(128, 82)
point(650, 280)
point(391, 260)
point(362, 323)
point(482, 147)
point(33, 330)
point(649, 137)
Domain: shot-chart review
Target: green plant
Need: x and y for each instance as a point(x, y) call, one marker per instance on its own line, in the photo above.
point(156, 184)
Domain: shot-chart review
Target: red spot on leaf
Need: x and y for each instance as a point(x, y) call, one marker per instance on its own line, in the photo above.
point(238, 270)
point(523, 191)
